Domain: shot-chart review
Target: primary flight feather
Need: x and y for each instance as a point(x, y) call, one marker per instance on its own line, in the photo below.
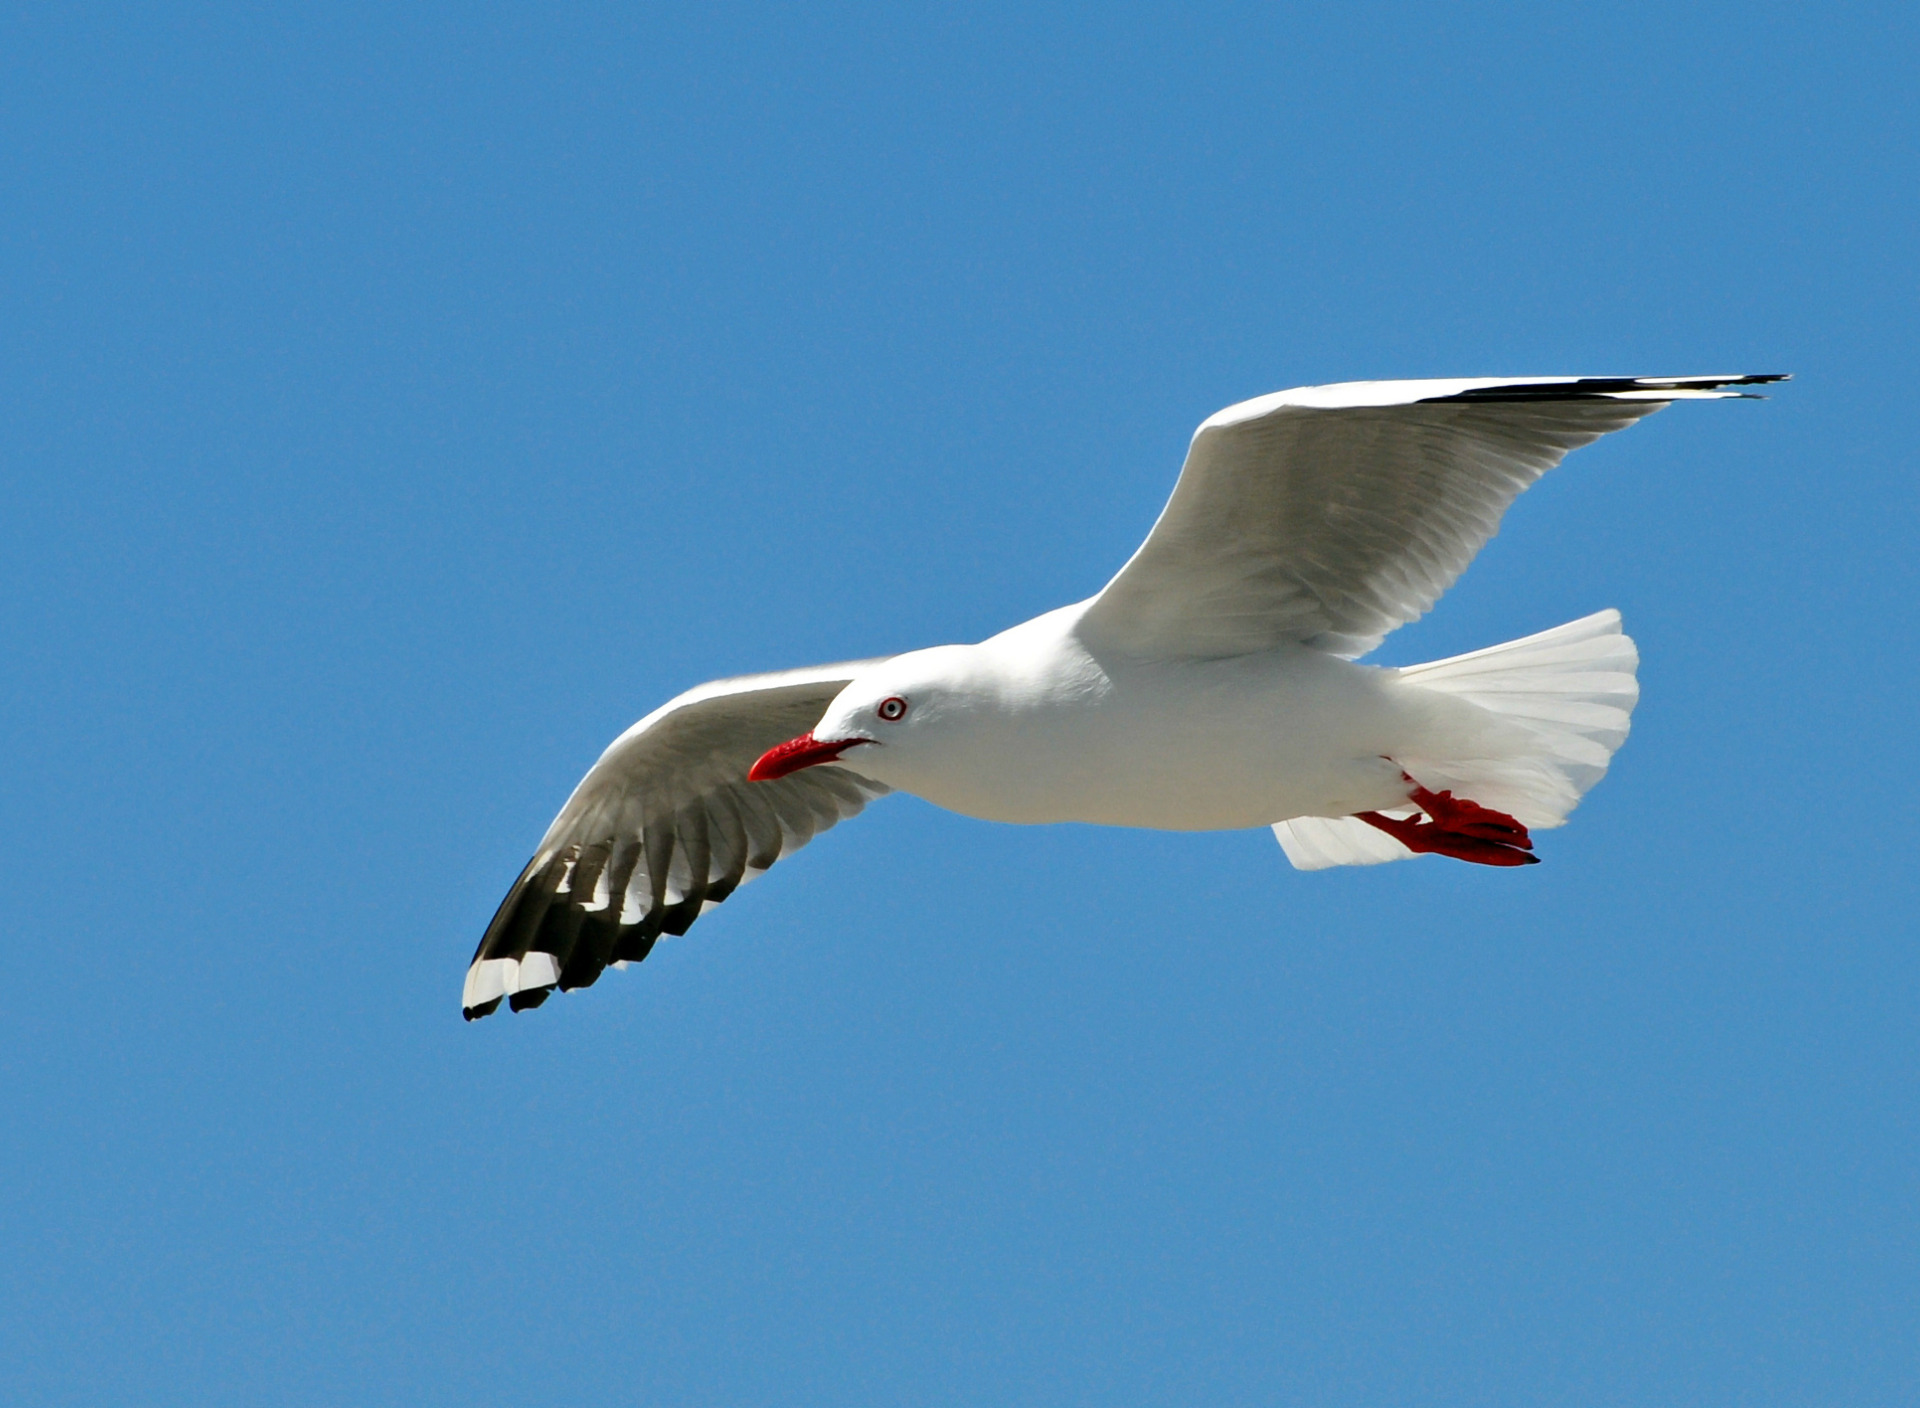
point(1211, 684)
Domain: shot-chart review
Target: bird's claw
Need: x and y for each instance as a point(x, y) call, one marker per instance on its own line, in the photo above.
point(1459, 828)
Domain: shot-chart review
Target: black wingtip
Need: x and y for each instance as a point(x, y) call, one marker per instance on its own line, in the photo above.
point(1601, 388)
point(484, 1009)
point(1758, 379)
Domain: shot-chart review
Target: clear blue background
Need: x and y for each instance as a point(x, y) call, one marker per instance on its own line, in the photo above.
point(396, 402)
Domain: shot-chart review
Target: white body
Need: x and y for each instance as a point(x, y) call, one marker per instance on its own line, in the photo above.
point(1033, 726)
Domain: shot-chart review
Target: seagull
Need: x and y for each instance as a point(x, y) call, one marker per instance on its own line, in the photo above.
point(1212, 684)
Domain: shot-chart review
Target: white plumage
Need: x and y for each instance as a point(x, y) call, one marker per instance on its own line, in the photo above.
point(1210, 685)
point(1571, 690)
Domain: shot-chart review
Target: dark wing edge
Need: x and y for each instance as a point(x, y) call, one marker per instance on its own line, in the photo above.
point(662, 828)
point(1639, 388)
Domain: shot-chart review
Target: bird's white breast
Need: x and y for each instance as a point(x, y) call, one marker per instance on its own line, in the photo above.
point(1055, 733)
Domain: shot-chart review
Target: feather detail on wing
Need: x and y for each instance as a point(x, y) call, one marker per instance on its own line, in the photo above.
point(1329, 515)
point(664, 826)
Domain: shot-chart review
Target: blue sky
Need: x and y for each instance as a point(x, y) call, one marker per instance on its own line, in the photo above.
point(394, 406)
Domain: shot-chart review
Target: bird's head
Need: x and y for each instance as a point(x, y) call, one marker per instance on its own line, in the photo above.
point(884, 720)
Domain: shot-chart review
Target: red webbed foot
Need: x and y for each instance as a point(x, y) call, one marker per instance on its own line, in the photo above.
point(1459, 828)
point(1465, 818)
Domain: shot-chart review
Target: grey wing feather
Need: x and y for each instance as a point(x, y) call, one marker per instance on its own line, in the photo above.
point(1330, 515)
point(664, 826)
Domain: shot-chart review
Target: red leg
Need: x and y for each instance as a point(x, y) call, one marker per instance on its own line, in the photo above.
point(1459, 828)
point(1465, 818)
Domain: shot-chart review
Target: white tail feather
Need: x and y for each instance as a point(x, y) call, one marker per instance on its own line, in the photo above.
point(1566, 697)
point(1322, 842)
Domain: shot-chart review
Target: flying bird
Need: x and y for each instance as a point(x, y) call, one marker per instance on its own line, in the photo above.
point(1211, 684)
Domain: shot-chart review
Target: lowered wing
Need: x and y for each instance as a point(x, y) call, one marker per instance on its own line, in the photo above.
point(662, 827)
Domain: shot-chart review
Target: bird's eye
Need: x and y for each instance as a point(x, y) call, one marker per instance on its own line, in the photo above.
point(892, 709)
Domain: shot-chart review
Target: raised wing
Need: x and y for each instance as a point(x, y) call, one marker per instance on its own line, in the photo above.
point(664, 826)
point(1330, 515)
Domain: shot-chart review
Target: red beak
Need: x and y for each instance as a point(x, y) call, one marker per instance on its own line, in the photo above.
point(803, 752)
